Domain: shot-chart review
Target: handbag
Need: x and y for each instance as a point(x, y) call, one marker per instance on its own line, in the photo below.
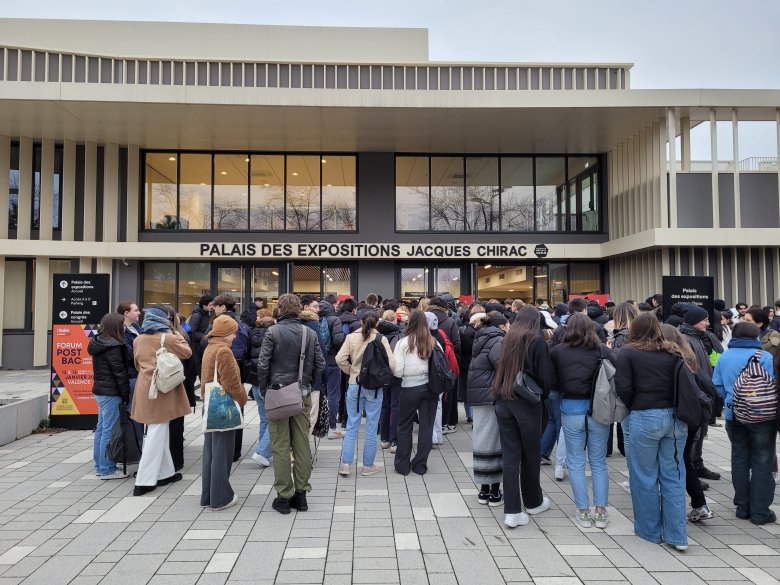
point(287, 401)
point(527, 388)
point(168, 372)
point(220, 411)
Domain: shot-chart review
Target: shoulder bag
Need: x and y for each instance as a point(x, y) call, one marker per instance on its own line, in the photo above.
point(220, 411)
point(287, 401)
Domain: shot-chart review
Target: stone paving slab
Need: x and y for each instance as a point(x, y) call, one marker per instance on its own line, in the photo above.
point(60, 524)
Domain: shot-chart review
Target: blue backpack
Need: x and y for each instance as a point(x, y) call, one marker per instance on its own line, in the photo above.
point(325, 333)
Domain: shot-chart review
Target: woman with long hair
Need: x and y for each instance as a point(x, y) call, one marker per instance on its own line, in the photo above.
point(575, 363)
point(520, 422)
point(645, 383)
point(361, 398)
point(412, 356)
point(111, 388)
point(622, 315)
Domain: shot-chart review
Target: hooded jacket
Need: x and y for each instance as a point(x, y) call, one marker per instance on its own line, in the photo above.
point(311, 320)
point(258, 334)
point(328, 313)
point(109, 363)
point(389, 329)
point(199, 324)
point(730, 365)
point(450, 328)
point(486, 352)
point(350, 356)
point(702, 343)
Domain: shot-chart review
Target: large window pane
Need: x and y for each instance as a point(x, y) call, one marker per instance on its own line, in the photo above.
point(585, 278)
point(517, 197)
point(505, 282)
point(411, 193)
point(550, 193)
point(583, 179)
point(482, 194)
point(447, 280)
point(194, 281)
point(337, 281)
point(265, 284)
point(303, 193)
point(160, 191)
point(231, 199)
point(36, 194)
point(15, 294)
point(447, 193)
point(266, 193)
point(230, 281)
point(307, 279)
point(338, 192)
point(195, 192)
point(558, 284)
point(13, 188)
point(160, 283)
point(414, 283)
point(58, 163)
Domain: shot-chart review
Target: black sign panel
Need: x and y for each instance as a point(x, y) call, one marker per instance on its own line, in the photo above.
point(541, 251)
point(696, 290)
point(80, 299)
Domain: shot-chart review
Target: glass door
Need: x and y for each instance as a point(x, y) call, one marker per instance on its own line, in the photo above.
point(230, 280)
point(265, 286)
point(322, 279)
point(429, 280)
point(541, 283)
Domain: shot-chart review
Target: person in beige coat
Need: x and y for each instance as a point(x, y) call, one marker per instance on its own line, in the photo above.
point(156, 465)
point(218, 446)
point(350, 360)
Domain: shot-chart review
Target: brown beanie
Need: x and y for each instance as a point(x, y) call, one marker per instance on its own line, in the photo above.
point(223, 326)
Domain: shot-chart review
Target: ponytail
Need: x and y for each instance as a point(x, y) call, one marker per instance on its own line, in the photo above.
point(369, 322)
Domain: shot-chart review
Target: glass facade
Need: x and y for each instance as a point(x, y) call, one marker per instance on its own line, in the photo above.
point(551, 281)
point(250, 192)
point(507, 194)
point(13, 187)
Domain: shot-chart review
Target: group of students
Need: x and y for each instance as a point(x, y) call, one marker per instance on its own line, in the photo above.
point(513, 365)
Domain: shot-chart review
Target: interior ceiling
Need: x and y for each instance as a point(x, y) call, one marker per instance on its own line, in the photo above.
point(328, 129)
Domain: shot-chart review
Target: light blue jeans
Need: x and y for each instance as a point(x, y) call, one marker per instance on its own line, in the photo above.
point(657, 475)
point(574, 430)
point(264, 439)
point(108, 414)
point(371, 402)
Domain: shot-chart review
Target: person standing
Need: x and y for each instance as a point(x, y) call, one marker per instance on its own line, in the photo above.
point(262, 455)
point(199, 324)
point(439, 307)
point(388, 419)
point(156, 465)
point(111, 388)
point(277, 366)
point(520, 422)
point(361, 398)
point(331, 322)
point(310, 318)
point(131, 315)
point(218, 446)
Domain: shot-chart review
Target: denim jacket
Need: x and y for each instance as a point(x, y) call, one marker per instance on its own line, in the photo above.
point(730, 365)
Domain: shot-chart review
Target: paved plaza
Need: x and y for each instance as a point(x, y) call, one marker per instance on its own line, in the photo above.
point(59, 524)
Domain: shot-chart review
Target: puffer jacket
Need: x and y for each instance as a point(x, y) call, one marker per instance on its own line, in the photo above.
point(482, 370)
point(109, 363)
point(702, 343)
point(258, 334)
point(412, 370)
point(311, 320)
point(389, 329)
point(199, 323)
point(573, 371)
point(450, 328)
point(334, 324)
point(277, 363)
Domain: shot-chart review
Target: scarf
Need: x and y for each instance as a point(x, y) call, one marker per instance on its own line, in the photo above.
point(155, 321)
point(744, 342)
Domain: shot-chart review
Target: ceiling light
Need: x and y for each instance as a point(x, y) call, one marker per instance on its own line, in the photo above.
point(419, 276)
point(587, 164)
point(488, 266)
point(329, 185)
point(456, 278)
point(511, 290)
point(223, 173)
point(267, 184)
point(172, 158)
point(203, 184)
point(540, 276)
point(415, 278)
point(324, 161)
point(191, 282)
point(246, 159)
point(295, 174)
point(275, 273)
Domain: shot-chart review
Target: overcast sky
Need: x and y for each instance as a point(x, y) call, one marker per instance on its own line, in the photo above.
point(673, 43)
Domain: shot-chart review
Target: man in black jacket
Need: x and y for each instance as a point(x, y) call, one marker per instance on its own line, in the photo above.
point(439, 307)
point(278, 366)
point(199, 324)
point(332, 371)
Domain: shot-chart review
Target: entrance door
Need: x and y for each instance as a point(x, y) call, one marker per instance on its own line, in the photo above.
point(429, 280)
point(248, 281)
point(323, 279)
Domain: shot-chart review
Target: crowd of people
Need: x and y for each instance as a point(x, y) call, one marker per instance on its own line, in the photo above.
point(525, 373)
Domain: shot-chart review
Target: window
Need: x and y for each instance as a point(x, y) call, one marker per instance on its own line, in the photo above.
point(303, 193)
point(517, 194)
point(58, 168)
point(195, 192)
point(412, 193)
point(339, 193)
point(160, 283)
point(36, 194)
point(15, 294)
point(585, 278)
point(160, 191)
point(550, 193)
point(231, 201)
point(194, 281)
point(482, 194)
point(447, 194)
point(56, 184)
point(319, 280)
point(266, 193)
point(414, 283)
point(13, 187)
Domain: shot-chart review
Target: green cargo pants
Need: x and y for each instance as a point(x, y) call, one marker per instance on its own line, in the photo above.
point(292, 432)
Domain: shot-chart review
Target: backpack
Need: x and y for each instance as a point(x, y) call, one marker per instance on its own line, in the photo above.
point(168, 373)
point(325, 333)
point(605, 406)
point(755, 395)
point(338, 333)
point(449, 352)
point(375, 372)
point(440, 375)
point(687, 396)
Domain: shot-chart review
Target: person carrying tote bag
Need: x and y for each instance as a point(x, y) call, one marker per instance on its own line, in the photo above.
point(218, 444)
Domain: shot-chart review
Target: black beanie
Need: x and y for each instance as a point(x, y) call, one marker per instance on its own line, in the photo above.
point(695, 315)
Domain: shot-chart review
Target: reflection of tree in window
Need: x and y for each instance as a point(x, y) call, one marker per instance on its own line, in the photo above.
point(447, 193)
point(164, 206)
point(482, 194)
point(13, 199)
point(230, 214)
point(303, 207)
point(267, 208)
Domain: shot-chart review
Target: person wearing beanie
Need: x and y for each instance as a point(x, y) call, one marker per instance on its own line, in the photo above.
point(156, 466)
point(438, 430)
point(704, 344)
point(218, 446)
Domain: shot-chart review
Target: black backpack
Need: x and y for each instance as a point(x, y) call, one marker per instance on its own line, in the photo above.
point(689, 399)
point(440, 376)
point(375, 372)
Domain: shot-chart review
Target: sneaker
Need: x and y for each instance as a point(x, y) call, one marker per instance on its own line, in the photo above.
point(470, 420)
point(560, 473)
point(681, 547)
point(771, 519)
point(496, 499)
point(116, 474)
point(600, 519)
point(543, 507)
point(546, 460)
point(232, 502)
point(370, 470)
point(335, 434)
point(705, 473)
point(281, 505)
point(447, 429)
point(697, 514)
point(260, 460)
point(515, 520)
point(384, 444)
point(393, 447)
point(298, 501)
point(483, 497)
point(715, 424)
point(344, 469)
point(776, 475)
point(626, 485)
point(584, 518)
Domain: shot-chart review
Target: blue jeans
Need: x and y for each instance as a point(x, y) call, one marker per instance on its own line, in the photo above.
point(468, 409)
point(596, 443)
point(553, 428)
point(752, 456)
point(108, 414)
point(371, 402)
point(657, 475)
point(264, 439)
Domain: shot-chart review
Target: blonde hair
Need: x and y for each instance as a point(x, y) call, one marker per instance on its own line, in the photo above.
point(389, 315)
point(424, 302)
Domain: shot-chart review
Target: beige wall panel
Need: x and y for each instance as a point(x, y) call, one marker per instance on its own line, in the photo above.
point(42, 309)
point(24, 215)
point(68, 195)
point(714, 157)
point(734, 277)
point(762, 277)
point(47, 189)
point(737, 195)
point(90, 191)
point(111, 193)
point(5, 166)
point(85, 265)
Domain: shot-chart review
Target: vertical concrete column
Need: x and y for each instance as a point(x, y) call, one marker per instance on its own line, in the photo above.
point(2, 303)
point(47, 189)
point(714, 157)
point(111, 193)
point(68, 194)
point(749, 276)
point(737, 195)
point(735, 269)
point(672, 137)
point(133, 209)
point(685, 144)
point(647, 176)
point(24, 214)
point(656, 174)
point(90, 191)
point(42, 310)
point(5, 169)
point(662, 166)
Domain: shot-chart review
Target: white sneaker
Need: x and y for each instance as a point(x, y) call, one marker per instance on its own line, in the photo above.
point(447, 429)
point(543, 507)
point(232, 502)
point(260, 460)
point(584, 518)
point(335, 434)
point(776, 475)
point(560, 473)
point(681, 547)
point(116, 474)
point(515, 520)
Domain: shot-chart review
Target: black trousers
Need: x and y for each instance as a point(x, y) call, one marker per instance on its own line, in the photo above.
point(413, 400)
point(692, 483)
point(176, 442)
point(696, 448)
point(621, 447)
point(449, 407)
point(520, 428)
